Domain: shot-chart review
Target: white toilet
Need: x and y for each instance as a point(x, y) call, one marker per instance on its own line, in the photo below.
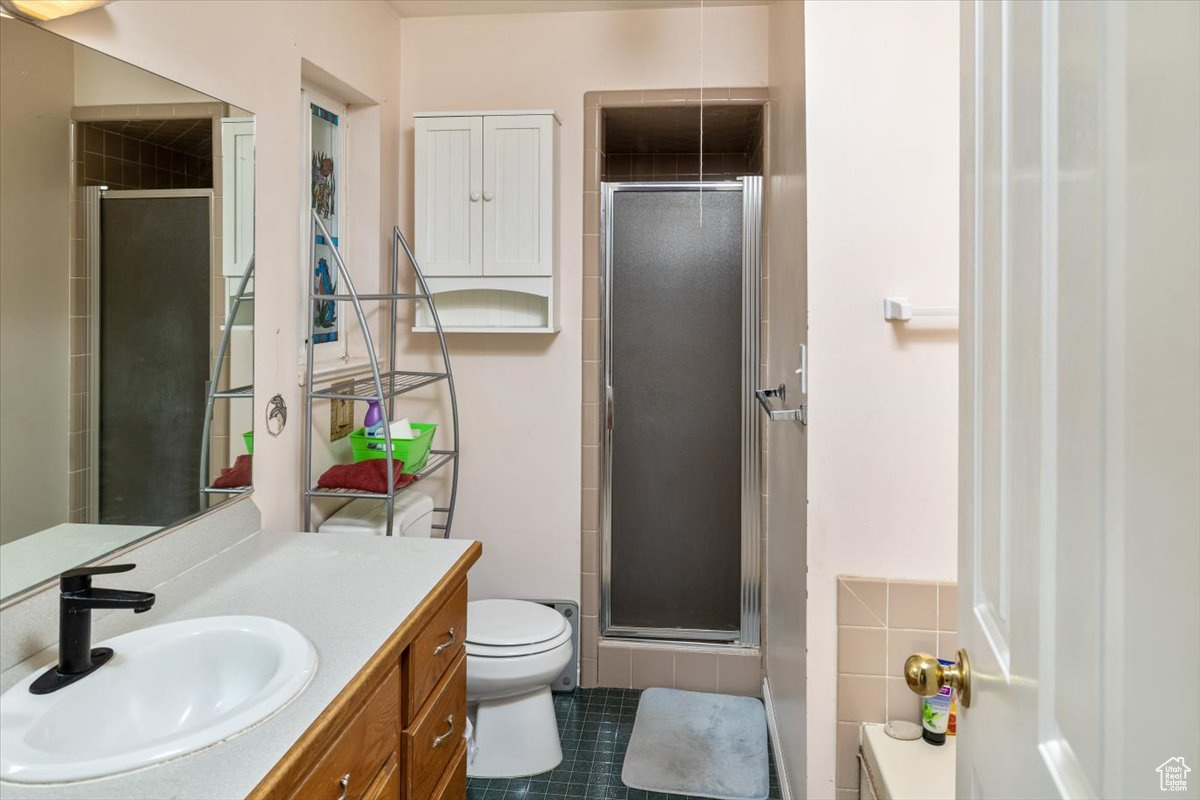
point(515, 650)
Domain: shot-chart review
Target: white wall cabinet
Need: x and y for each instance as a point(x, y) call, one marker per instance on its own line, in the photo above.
point(449, 194)
point(486, 213)
point(237, 200)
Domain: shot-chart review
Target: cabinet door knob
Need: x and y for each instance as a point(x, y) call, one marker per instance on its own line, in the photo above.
point(344, 785)
point(437, 742)
point(474, 197)
point(450, 637)
point(487, 197)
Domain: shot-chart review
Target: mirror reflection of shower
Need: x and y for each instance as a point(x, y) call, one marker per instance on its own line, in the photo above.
point(128, 227)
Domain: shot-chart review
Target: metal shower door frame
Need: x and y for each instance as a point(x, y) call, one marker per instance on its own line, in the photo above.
point(751, 465)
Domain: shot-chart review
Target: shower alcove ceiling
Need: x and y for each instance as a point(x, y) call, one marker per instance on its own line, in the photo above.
point(657, 143)
point(653, 136)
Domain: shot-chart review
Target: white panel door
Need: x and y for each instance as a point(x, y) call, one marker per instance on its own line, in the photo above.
point(518, 195)
point(448, 188)
point(1080, 401)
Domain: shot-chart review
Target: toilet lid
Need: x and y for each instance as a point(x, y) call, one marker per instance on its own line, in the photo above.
point(499, 623)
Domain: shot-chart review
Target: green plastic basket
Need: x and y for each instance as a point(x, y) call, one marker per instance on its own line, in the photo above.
point(413, 452)
point(248, 438)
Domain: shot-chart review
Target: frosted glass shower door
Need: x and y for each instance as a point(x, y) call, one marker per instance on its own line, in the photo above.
point(154, 329)
point(675, 353)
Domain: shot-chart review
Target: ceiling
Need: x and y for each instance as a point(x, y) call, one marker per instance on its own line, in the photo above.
point(676, 129)
point(455, 8)
point(192, 136)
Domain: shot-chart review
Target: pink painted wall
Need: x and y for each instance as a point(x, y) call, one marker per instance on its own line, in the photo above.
point(519, 395)
point(882, 137)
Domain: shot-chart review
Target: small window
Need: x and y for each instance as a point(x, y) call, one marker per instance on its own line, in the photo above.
point(327, 191)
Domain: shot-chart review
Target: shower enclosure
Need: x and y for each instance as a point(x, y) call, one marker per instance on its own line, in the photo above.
point(151, 322)
point(681, 469)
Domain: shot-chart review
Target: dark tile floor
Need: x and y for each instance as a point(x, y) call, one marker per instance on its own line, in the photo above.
point(595, 725)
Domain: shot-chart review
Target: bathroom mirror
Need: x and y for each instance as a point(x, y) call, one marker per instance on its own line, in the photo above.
point(126, 280)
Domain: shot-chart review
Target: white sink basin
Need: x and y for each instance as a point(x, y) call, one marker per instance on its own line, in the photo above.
point(168, 690)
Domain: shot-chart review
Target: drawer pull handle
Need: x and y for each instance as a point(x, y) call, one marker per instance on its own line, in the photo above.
point(437, 742)
point(437, 651)
point(344, 783)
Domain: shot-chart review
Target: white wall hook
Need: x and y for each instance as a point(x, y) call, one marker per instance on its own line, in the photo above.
point(900, 309)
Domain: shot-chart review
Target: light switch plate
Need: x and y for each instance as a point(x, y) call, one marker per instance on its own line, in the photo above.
point(341, 414)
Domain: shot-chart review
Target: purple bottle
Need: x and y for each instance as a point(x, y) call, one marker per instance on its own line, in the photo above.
point(373, 422)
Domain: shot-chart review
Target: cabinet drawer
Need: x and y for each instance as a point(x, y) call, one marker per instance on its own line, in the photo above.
point(348, 767)
point(434, 650)
point(454, 781)
point(432, 742)
point(386, 785)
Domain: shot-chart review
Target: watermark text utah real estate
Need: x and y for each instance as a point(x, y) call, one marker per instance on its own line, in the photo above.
point(1172, 775)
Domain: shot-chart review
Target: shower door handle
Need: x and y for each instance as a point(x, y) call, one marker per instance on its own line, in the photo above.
point(609, 406)
point(775, 414)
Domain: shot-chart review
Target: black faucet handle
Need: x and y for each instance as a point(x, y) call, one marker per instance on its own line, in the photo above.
point(74, 580)
point(98, 569)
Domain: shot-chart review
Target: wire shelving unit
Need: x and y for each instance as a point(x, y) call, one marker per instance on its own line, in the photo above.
point(384, 383)
point(213, 393)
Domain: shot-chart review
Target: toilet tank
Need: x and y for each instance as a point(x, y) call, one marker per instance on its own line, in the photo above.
point(413, 516)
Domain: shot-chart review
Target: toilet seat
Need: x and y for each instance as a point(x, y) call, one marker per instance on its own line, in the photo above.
point(511, 628)
point(514, 650)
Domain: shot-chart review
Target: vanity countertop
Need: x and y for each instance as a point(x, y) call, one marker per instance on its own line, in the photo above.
point(347, 594)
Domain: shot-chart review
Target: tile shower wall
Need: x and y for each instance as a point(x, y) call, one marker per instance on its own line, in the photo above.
point(880, 623)
point(676, 166)
point(112, 157)
point(659, 141)
point(612, 662)
point(642, 665)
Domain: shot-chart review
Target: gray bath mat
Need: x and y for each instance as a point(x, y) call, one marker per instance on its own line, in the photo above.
point(709, 745)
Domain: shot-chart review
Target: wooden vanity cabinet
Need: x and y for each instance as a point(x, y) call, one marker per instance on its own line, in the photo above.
point(396, 731)
point(362, 751)
point(436, 734)
point(429, 659)
point(387, 782)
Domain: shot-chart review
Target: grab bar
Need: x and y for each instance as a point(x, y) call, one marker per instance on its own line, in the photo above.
point(775, 414)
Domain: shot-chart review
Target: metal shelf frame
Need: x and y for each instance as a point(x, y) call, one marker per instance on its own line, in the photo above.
point(384, 383)
point(437, 460)
point(241, 391)
point(394, 384)
point(213, 394)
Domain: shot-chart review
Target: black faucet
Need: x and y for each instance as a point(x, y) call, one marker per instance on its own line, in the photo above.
point(76, 656)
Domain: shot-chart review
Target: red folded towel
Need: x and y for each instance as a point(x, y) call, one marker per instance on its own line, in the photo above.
point(365, 476)
point(236, 476)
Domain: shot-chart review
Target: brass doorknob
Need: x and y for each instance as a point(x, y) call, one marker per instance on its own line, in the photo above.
point(925, 675)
